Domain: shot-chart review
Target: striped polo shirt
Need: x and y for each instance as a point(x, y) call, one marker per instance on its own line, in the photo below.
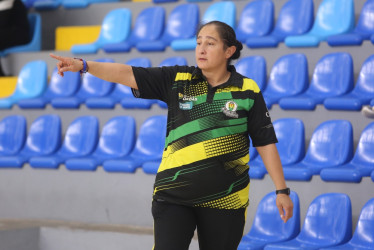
point(206, 154)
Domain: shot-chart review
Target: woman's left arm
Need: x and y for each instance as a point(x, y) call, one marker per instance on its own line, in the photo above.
point(270, 157)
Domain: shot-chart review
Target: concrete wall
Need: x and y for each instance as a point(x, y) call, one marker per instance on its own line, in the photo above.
point(100, 197)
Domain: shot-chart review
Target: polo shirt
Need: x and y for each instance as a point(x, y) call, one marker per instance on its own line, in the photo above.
point(206, 154)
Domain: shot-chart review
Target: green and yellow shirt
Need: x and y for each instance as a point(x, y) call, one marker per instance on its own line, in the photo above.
point(206, 154)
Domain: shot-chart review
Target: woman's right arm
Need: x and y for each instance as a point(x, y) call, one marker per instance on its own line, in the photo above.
point(111, 72)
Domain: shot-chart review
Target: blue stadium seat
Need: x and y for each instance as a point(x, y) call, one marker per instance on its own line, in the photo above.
point(291, 145)
point(372, 39)
point(256, 20)
point(332, 76)
point(47, 4)
point(163, 1)
point(12, 134)
point(268, 227)
point(35, 43)
point(44, 139)
point(73, 4)
point(372, 176)
point(182, 23)
point(224, 11)
point(115, 28)
point(31, 83)
point(331, 145)
point(363, 30)
point(149, 147)
point(197, 1)
point(333, 17)
point(80, 140)
point(288, 77)
point(362, 93)
point(117, 140)
point(92, 87)
point(253, 67)
point(151, 167)
point(28, 3)
point(58, 87)
point(362, 163)
point(122, 93)
point(363, 237)
point(295, 18)
point(149, 26)
point(328, 222)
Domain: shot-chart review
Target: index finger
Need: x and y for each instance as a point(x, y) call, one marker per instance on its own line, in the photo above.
point(60, 58)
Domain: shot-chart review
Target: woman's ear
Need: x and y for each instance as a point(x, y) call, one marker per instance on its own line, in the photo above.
point(230, 51)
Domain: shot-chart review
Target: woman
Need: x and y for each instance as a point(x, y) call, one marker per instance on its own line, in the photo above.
point(203, 180)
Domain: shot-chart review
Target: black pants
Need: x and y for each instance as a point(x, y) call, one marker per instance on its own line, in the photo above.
point(217, 229)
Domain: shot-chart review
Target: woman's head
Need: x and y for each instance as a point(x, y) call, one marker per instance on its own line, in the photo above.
point(217, 40)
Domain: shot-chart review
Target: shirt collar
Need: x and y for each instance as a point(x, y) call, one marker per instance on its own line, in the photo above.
point(235, 78)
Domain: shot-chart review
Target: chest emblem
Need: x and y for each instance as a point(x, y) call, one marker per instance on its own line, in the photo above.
point(230, 109)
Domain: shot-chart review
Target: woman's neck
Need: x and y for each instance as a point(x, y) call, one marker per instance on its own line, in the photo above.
point(215, 79)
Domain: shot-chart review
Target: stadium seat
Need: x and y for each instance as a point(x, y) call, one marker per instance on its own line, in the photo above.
point(372, 176)
point(117, 140)
point(115, 28)
point(291, 145)
point(163, 1)
point(253, 67)
point(224, 11)
point(363, 30)
point(331, 145)
point(256, 20)
point(182, 23)
point(362, 163)
point(91, 87)
point(197, 1)
point(79, 141)
point(31, 83)
point(28, 3)
point(295, 18)
point(333, 17)
point(58, 87)
point(288, 77)
point(268, 227)
point(149, 26)
point(72, 4)
point(44, 138)
point(122, 93)
point(328, 222)
point(12, 134)
point(332, 76)
point(362, 93)
point(47, 4)
point(35, 43)
point(151, 167)
point(149, 147)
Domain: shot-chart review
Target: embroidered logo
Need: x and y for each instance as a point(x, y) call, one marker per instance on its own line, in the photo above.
point(230, 109)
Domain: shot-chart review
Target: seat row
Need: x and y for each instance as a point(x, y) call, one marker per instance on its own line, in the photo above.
point(332, 84)
point(330, 152)
point(68, 4)
point(296, 26)
point(117, 147)
point(327, 225)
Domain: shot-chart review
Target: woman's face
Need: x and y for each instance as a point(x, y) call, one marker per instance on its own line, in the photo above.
point(210, 53)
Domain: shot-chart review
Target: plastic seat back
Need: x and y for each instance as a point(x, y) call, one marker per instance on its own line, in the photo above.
point(175, 60)
point(44, 136)
point(256, 19)
point(253, 67)
point(31, 83)
point(151, 137)
point(364, 233)
point(80, 137)
point(331, 144)
point(364, 85)
point(289, 76)
point(365, 147)
point(267, 225)
point(220, 11)
point(63, 86)
point(328, 221)
point(291, 140)
point(332, 76)
point(117, 138)
point(365, 23)
point(12, 134)
point(35, 43)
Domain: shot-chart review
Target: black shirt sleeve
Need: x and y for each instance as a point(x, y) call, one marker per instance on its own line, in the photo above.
point(260, 127)
point(154, 83)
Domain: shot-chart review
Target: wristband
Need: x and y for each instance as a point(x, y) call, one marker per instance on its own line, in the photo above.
point(286, 191)
point(85, 67)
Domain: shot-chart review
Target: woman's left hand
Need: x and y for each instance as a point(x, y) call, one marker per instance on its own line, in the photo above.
point(285, 206)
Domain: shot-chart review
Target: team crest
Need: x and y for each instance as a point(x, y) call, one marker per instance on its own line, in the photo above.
point(230, 109)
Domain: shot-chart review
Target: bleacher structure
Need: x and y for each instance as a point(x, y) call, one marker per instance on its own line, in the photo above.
point(78, 155)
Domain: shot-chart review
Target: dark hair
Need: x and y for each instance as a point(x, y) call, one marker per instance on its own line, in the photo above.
point(228, 36)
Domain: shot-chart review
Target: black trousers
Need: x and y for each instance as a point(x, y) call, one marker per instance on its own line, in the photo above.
point(217, 229)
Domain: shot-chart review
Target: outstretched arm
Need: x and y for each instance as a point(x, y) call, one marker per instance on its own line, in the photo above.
point(111, 72)
point(270, 157)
